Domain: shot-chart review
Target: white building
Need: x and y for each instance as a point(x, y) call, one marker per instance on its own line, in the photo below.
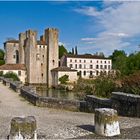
point(88, 66)
point(18, 69)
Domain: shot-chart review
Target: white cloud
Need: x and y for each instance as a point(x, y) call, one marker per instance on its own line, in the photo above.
point(120, 23)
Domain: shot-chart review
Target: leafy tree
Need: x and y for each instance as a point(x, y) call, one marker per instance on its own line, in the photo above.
point(62, 51)
point(72, 50)
point(76, 51)
point(1, 57)
point(11, 75)
point(63, 79)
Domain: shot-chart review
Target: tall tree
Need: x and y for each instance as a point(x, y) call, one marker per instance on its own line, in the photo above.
point(72, 50)
point(76, 51)
point(1, 57)
point(62, 51)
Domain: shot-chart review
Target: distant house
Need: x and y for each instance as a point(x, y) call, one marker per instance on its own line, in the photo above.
point(87, 66)
point(19, 69)
point(61, 71)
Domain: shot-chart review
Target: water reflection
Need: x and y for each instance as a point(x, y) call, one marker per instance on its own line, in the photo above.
point(61, 94)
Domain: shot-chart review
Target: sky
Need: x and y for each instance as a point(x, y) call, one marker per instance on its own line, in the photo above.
point(92, 26)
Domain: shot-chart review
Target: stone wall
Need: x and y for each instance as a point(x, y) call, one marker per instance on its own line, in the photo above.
point(16, 85)
point(126, 104)
point(32, 97)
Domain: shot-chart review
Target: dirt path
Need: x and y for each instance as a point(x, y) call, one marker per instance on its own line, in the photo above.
point(51, 123)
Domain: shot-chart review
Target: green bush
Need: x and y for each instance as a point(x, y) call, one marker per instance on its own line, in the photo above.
point(1, 73)
point(131, 84)
point(12, 75)
point(104, 86)
point(64, 79)
point(2, 62)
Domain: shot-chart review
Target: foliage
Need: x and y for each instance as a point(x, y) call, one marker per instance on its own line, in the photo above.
point(1, 73)
point(131, 83)
point(63, 79)
point(104, 86)
point(12, 75)
point(62, 51)
point(1, 57)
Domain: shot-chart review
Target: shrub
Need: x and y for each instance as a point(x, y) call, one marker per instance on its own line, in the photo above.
point(104, 86)
point(63, 79)
point(12, 75)
point(1, 73)
point(131, 84)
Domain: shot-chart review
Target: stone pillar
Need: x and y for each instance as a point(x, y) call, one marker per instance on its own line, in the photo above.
point(23, 128)
point(106, 122)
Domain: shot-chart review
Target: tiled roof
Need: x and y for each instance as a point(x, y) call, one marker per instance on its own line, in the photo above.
point(63, 69)
point(12, 41)
point(85, 56)
point(13, 67)
point(41, 43)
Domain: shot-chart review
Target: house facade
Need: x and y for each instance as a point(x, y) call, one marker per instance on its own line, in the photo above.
point(88, 66)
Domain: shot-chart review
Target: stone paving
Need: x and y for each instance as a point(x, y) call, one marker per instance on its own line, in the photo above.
point(51, 123)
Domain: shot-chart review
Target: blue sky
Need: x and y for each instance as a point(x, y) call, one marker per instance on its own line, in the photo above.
point(93, 26)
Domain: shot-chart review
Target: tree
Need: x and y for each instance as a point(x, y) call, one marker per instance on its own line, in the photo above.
point(76, 51)
point(62, 51)
point(63, 79)
point(72, 50)
point(1, 57)
point(11, 75)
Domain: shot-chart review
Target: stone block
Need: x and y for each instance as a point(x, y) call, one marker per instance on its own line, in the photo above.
point(106, 122)
point(23, 128)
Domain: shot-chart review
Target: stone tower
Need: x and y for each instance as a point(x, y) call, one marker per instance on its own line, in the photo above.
point(51, 37)
point(22, 39)
point(30, 59)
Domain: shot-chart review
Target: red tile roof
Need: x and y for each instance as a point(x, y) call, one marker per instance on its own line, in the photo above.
point(63, 69)
point(13, 67)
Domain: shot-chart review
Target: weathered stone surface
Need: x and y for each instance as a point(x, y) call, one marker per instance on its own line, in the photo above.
point(24, 128)
point(106, 122)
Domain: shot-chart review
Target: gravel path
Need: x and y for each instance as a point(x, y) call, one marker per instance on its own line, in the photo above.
point(51, 123)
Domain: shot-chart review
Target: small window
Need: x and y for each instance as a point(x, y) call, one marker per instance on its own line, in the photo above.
point(80, 66)
point(80, 61)
point(44, 47)
point(97, 66)
point(84, 61)
point(97, 61)
point(19, 73)
point(70, 60)
point(84, 66)
point(101, 61)
point(109, 67)
point(43, 56)
point(75, 60)
point(40, 46)
point(76, 66)
point(105, 62)
point(108, 62)
point(91, 66)
point(42, 74)
point(105, 66)
point(101, 66)
point(90, 61)
point(84, 73)
point(41, 64)
point(70, 65)
point(14, 56)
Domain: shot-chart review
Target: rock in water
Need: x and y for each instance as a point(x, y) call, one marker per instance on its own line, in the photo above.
point(106, 122)
point(23, 128)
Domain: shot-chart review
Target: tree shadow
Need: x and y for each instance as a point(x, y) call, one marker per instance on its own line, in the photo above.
point(90, 128)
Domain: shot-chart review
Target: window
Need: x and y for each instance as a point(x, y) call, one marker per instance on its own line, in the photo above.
point(75, 60)
point(90, 61)
point(105, 62)
point(84, 72)
point(19, 73)
point(40, 46)
point(42, 74)
point(44, 47)
point(70, 65)
point(84, 61)
point(97, 61)
point(109, 67)
point(84, 66)
point(70, 60)
point(76, 66)
point(101, 61)
point(41, 64)
point(14, 56)
point(91, 66)
point(101, 66)
point(97, 66)
point(80, 61)
point(108, 62)
point(80, 66)
point(105, 66)
point(90, 73)
point(97, 72)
